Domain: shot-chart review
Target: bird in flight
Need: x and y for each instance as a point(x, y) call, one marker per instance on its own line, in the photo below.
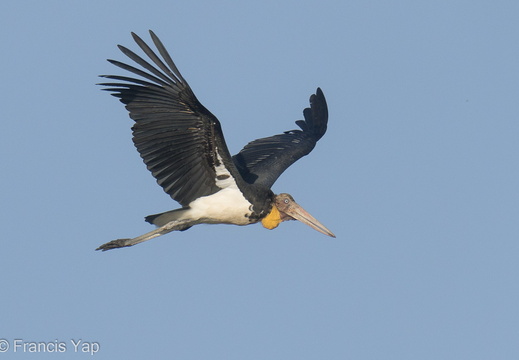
point(183, 146)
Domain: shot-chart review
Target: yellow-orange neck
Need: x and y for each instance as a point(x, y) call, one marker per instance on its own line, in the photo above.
point(273, 219)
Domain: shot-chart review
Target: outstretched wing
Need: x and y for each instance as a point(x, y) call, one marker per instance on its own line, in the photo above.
point(262, 161)
point(180, 141)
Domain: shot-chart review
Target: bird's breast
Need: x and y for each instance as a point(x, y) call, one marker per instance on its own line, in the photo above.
point(227, 206)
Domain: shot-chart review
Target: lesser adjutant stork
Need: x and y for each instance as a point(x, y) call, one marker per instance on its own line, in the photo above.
point(183, 146)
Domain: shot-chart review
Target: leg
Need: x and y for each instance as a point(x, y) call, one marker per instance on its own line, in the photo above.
point(171, 226)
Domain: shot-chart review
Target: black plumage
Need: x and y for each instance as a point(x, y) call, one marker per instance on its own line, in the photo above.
point(262, 161)
point(173, 132)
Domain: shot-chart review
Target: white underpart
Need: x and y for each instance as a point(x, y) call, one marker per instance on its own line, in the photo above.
point(225, 206)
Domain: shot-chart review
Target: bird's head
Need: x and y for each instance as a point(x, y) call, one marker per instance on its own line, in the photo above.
point(285, 208)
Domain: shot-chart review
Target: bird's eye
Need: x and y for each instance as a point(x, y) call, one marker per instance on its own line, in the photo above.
point(286, 201)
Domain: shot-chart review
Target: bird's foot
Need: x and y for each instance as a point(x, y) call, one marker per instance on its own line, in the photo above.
point(114, 244)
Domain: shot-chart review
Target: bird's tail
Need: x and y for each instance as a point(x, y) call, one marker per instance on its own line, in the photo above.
point(162, 219)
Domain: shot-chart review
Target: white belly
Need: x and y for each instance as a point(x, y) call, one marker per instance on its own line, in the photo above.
point(226, 206)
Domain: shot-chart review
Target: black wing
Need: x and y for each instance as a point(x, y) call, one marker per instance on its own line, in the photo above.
point(262, 161)
point(176, 136)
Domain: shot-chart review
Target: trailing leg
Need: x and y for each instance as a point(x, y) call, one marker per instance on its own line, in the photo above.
point(170, 226)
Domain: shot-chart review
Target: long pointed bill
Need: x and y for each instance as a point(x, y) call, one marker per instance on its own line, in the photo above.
point(297, 212)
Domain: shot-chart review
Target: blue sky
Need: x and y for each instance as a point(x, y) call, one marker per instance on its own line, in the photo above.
point(417, 176)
